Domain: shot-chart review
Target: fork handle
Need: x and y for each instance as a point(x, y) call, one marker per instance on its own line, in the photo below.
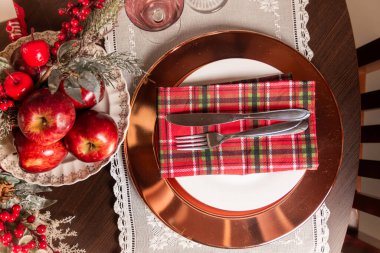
point(285, 115)
point(291, 127)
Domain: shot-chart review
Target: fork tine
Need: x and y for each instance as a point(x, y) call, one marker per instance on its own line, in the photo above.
point(187, 137)
point(196, 144)
point(202, 139)
point(194, 148)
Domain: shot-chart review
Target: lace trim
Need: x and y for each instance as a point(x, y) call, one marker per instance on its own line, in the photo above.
point(164, 237)
point(321, 230)
point(123, 204)
point(301, 34)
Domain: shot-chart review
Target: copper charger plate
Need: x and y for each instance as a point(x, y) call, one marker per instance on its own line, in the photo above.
point(192, 218)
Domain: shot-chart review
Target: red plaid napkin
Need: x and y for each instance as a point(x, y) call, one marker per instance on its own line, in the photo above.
point(243, 155)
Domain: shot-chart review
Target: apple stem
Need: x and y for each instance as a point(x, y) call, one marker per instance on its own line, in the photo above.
point(91, 146)
point(32, 32)
point(10, 76)
point(44, 121)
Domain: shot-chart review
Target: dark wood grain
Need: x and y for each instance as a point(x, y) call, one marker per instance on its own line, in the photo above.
point(334, 55)
point(332, 42)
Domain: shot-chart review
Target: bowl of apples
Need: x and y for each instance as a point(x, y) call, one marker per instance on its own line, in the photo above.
point(57, 139)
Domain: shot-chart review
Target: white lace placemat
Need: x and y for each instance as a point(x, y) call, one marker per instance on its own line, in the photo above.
point(140, 230)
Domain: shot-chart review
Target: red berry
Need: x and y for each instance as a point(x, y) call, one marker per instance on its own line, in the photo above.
point(4, 215)
point(61, 36)
point(61, 11)
point(18, 233)
point(12, 218)
point(20, 226)
point(75, 11)
point(74, 22)
point(70, 4)
point(7, 237)
point(2, 227)
point(24, 249)
point(3, 107)
point(16, 248)
point(86, 11)
point(57, 44)
point(80, 28)
point(42, 238)
point(41, 229)
point(82, 17)
point(74, 30)
point(32, 244)
point(63, 31)
point(85, 2)
point(10, 103)
point(31, 218)
point(42, 245)
point(16, 208)
point(54, 51)
point(66, 25)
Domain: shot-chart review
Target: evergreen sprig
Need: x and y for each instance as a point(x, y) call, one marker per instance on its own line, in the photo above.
point(95, 27)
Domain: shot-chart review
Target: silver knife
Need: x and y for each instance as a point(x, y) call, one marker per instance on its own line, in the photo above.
point(206, 119)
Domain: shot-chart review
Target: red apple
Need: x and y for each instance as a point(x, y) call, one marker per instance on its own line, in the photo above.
point(19, 64)
point(45, 118)
point(88, 97)
point(94, 136)
point(17, 85)
point(35, 158)
point(35, 53)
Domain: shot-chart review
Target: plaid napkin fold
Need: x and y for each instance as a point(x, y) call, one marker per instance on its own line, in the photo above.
point(242, 155)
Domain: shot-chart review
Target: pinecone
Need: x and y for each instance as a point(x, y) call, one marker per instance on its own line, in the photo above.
point(6, 191)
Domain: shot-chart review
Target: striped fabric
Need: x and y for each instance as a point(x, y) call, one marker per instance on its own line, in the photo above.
point(243, 155)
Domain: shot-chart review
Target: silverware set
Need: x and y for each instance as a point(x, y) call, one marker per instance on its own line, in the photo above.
point(296, 122)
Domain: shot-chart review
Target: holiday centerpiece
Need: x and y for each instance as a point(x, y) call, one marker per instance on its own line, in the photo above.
point(64, 103)
point(24, 228)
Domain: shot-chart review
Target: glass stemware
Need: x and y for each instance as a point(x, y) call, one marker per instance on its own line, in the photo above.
point(206, 6)
point(153, 15)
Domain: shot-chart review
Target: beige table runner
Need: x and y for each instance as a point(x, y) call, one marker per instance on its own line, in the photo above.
point(140, 230)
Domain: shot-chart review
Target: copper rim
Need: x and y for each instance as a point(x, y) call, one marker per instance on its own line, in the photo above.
point(179, 210)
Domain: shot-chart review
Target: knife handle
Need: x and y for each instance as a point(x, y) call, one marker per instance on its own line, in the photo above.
point(293, 127)
point(283, 115)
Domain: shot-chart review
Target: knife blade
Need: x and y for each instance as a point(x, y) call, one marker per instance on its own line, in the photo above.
point(206, 119)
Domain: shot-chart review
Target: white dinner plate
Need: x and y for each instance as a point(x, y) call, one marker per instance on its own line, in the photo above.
point(256, 190)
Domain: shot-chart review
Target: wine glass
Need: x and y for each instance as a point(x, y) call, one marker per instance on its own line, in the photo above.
point(153, 15)
point(206, 6)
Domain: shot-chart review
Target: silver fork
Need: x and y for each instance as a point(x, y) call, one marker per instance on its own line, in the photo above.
point(211, 140)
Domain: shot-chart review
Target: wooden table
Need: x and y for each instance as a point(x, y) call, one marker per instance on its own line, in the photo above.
point(332, 41)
